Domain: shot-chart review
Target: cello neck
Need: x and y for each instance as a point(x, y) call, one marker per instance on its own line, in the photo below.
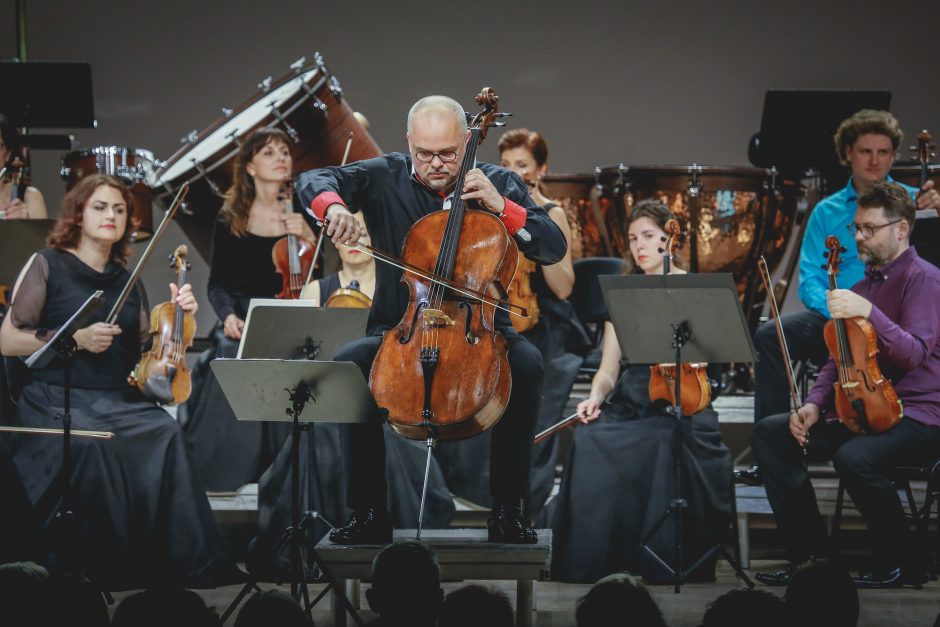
point(458, 206)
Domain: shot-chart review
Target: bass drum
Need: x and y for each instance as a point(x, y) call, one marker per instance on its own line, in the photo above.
point(134, 166)
point(733, 216)
point(307, 103)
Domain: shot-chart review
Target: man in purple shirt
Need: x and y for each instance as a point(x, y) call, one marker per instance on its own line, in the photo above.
point(900, 297)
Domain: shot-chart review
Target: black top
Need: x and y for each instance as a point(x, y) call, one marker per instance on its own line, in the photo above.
point(54, 285)
point(328, 285)
point(392, 199)
point(240, 269)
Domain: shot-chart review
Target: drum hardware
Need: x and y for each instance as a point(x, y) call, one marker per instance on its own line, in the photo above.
point(205, 174)
point(265, 85)
point(298, 65)
point(291, 131)
point(190, 138)
point(235, 138)
point(597, 192)
point(336, 88)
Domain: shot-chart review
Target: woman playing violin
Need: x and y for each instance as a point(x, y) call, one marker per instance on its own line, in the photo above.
point(899, 296)
point(17, 201)
point(133, 534)
point(254, 216)
point(618, 475)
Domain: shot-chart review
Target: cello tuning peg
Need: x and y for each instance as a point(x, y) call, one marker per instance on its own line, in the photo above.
point(841, 249)
point(497, 124)
point(503, 114)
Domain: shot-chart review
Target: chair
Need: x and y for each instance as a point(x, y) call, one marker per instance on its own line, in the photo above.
point(918, 517)
point(587, 298)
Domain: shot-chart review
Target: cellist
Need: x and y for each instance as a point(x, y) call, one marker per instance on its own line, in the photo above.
point(394, 191)
point(900, 297)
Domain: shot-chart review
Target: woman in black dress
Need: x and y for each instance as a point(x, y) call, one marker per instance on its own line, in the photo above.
point(229, 453)
point(140, 512)
point(620, 473)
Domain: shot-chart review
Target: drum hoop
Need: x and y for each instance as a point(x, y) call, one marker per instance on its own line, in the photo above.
point(213, 161)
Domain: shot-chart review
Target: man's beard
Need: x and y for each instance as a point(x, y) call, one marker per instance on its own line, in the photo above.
point(870, 257)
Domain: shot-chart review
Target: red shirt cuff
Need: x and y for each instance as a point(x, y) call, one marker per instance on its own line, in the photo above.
point(513, 216)
point(322, 202)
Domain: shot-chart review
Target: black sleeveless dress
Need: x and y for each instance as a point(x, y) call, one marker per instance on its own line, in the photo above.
point(140, 512)
point(619, 479)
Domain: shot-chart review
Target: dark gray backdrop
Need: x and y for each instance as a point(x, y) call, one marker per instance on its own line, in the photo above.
point(637, 82)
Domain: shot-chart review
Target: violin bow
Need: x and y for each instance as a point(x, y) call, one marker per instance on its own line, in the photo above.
point(167, 217)
point(316, 252)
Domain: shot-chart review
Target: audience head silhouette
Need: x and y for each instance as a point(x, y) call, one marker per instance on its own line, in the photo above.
point(406, 584)
point(822, 594)
point(475, 605)
point(618, 599)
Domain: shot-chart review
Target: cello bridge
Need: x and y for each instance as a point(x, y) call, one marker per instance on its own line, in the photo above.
point(437, 319)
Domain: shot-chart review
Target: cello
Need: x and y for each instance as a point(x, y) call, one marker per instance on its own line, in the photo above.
point(443, 372)
point(865, 400)
point(696, 391)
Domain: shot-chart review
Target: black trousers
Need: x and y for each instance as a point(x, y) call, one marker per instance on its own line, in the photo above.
point(862, 462)
point(804, 334)
point(511, 450)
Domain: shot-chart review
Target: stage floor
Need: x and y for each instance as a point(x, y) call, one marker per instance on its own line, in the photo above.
point(555, 602)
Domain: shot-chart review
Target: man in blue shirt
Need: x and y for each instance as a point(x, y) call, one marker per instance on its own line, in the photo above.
point(867, 142)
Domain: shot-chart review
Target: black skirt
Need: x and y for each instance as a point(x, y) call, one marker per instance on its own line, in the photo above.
point(141, 516)
point(619, 480)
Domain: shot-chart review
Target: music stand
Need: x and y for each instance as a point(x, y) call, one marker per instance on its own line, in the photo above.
point(339, 393)
point(676, 319)
point(63, 345)
point(296, 329)
point(797, 125)
point(21, 238)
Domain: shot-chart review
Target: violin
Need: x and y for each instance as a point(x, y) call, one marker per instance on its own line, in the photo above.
point(443, 371)
point(865, 400)
point(350, 296)
point(521, 293)
point(162, 374)
point(292, 256)
point(695, 389)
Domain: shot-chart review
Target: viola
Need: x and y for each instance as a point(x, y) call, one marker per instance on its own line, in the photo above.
point(696, 391)
point(162, 374)
point(865, 400)
point(350, 296)
point(292, 256)
point(521, 293)
point(443, 371)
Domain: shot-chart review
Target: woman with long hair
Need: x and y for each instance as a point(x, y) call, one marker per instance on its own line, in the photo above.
point(620, 473)
point(229, 453)
point(141, 516)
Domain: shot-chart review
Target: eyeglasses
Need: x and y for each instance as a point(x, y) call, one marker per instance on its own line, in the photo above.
point(867, 230)
point(426, 156)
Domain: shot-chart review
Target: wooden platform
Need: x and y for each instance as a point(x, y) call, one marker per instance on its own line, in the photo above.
point(462, 553)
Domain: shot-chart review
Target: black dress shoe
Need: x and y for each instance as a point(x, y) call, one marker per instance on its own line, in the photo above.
point(896, 578)
point(367, 526)
point(782, 577)
point(508, 525)
point(748, 476)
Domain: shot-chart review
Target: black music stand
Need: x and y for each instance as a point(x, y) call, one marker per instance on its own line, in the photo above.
point(337, 392)
point(19, 239)
point(677, 319)
point(63, 345)
point(797, 125)
point(296, 329)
